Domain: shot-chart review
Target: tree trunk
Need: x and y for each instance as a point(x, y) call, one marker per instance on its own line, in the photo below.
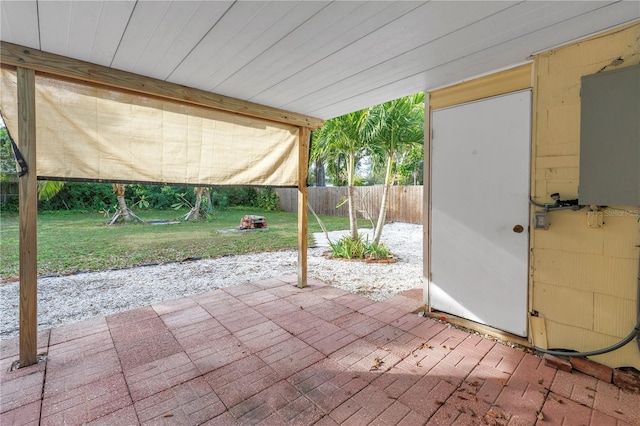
point(353, 220)
point(118, 188)
point(194, 213)
point(207, 195)
point(196, 208)
point(383, 204)
point(320, 175)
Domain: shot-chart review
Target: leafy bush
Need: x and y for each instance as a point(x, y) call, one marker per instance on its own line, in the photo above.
point(241, 196)
point(100, 197)
point(9, 203)
point(158, 197)
point(81, 196)
point(359, 248)
point(268, 200)
point(377, 251)
point(348, 248)
point(222, 197)
point(219, 199)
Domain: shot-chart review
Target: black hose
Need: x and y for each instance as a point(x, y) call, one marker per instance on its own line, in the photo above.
point(635, 332)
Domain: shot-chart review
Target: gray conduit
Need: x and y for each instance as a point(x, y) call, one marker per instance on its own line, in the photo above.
point(635, 332)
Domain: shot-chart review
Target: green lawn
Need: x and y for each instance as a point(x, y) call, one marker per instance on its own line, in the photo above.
point(76, 241)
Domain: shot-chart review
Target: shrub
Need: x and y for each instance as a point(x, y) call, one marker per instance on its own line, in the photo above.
point(81, 196)
point(9, 203)
point(219, 199)
point(241, 196)
point(359, 248)
point(268, 200)
point(348, 248)
point(159, 197)
point(100, 197)
point(377, 251)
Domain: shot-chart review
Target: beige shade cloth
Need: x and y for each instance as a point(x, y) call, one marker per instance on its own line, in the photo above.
point(86, 132)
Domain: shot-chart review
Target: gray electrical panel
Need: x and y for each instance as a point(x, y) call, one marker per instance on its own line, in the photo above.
point(610, 138)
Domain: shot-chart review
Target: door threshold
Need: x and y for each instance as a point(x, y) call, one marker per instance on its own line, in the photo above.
point(482, 329)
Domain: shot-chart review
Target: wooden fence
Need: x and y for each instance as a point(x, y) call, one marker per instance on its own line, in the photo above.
point(404, 202)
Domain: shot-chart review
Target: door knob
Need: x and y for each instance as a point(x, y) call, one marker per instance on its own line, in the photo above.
point(518, 229)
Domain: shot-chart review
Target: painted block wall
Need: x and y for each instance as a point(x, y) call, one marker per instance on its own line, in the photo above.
point(583, 280)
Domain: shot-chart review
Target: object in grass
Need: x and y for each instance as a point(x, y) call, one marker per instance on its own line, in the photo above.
point(253, 222)
point(163, 222)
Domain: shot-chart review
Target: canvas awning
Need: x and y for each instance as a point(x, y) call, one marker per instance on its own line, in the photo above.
point(89, 132)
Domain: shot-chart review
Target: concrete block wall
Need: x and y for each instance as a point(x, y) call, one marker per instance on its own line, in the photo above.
point(583, 280)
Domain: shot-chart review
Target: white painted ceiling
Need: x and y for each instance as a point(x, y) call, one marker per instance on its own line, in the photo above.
point(319, 58)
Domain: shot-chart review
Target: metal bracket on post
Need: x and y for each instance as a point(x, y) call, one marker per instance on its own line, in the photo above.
point(21, 163)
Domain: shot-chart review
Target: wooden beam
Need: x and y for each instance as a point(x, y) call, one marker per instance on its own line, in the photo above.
point(20, 56)
point(28, 207)
point(303, 168)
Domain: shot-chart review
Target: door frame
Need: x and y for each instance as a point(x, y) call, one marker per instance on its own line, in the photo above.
point(514, 79)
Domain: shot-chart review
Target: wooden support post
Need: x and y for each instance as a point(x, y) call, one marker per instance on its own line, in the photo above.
point(426, 207)
point(28, 207)
point(303, 169)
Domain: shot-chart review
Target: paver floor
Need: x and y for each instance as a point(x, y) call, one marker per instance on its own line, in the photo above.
point(269, 353)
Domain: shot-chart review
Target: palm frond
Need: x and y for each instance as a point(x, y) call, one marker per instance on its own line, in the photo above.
point(47, 189)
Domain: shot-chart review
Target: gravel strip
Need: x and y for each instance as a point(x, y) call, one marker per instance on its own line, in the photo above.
point(68, 299)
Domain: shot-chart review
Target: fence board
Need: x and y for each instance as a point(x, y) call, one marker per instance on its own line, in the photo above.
point(404, 203)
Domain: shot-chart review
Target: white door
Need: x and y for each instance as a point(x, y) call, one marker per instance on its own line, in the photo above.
point(480, 211)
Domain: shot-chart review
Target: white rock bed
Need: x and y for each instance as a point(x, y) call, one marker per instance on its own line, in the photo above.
point(68, 299)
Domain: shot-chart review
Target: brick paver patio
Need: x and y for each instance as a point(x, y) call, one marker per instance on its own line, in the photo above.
point(269, 353)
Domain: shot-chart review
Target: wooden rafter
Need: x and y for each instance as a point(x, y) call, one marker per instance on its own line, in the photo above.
point(61, 66)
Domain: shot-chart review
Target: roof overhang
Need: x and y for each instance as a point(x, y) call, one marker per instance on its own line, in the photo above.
point(318, 59)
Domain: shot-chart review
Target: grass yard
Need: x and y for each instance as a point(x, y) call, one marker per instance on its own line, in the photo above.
point(78, 241)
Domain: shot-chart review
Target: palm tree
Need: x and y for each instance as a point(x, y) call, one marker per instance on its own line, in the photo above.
point(118, 189)
point(320, 173)
point(392, 129)
point(339, 142)
point(336, 166)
